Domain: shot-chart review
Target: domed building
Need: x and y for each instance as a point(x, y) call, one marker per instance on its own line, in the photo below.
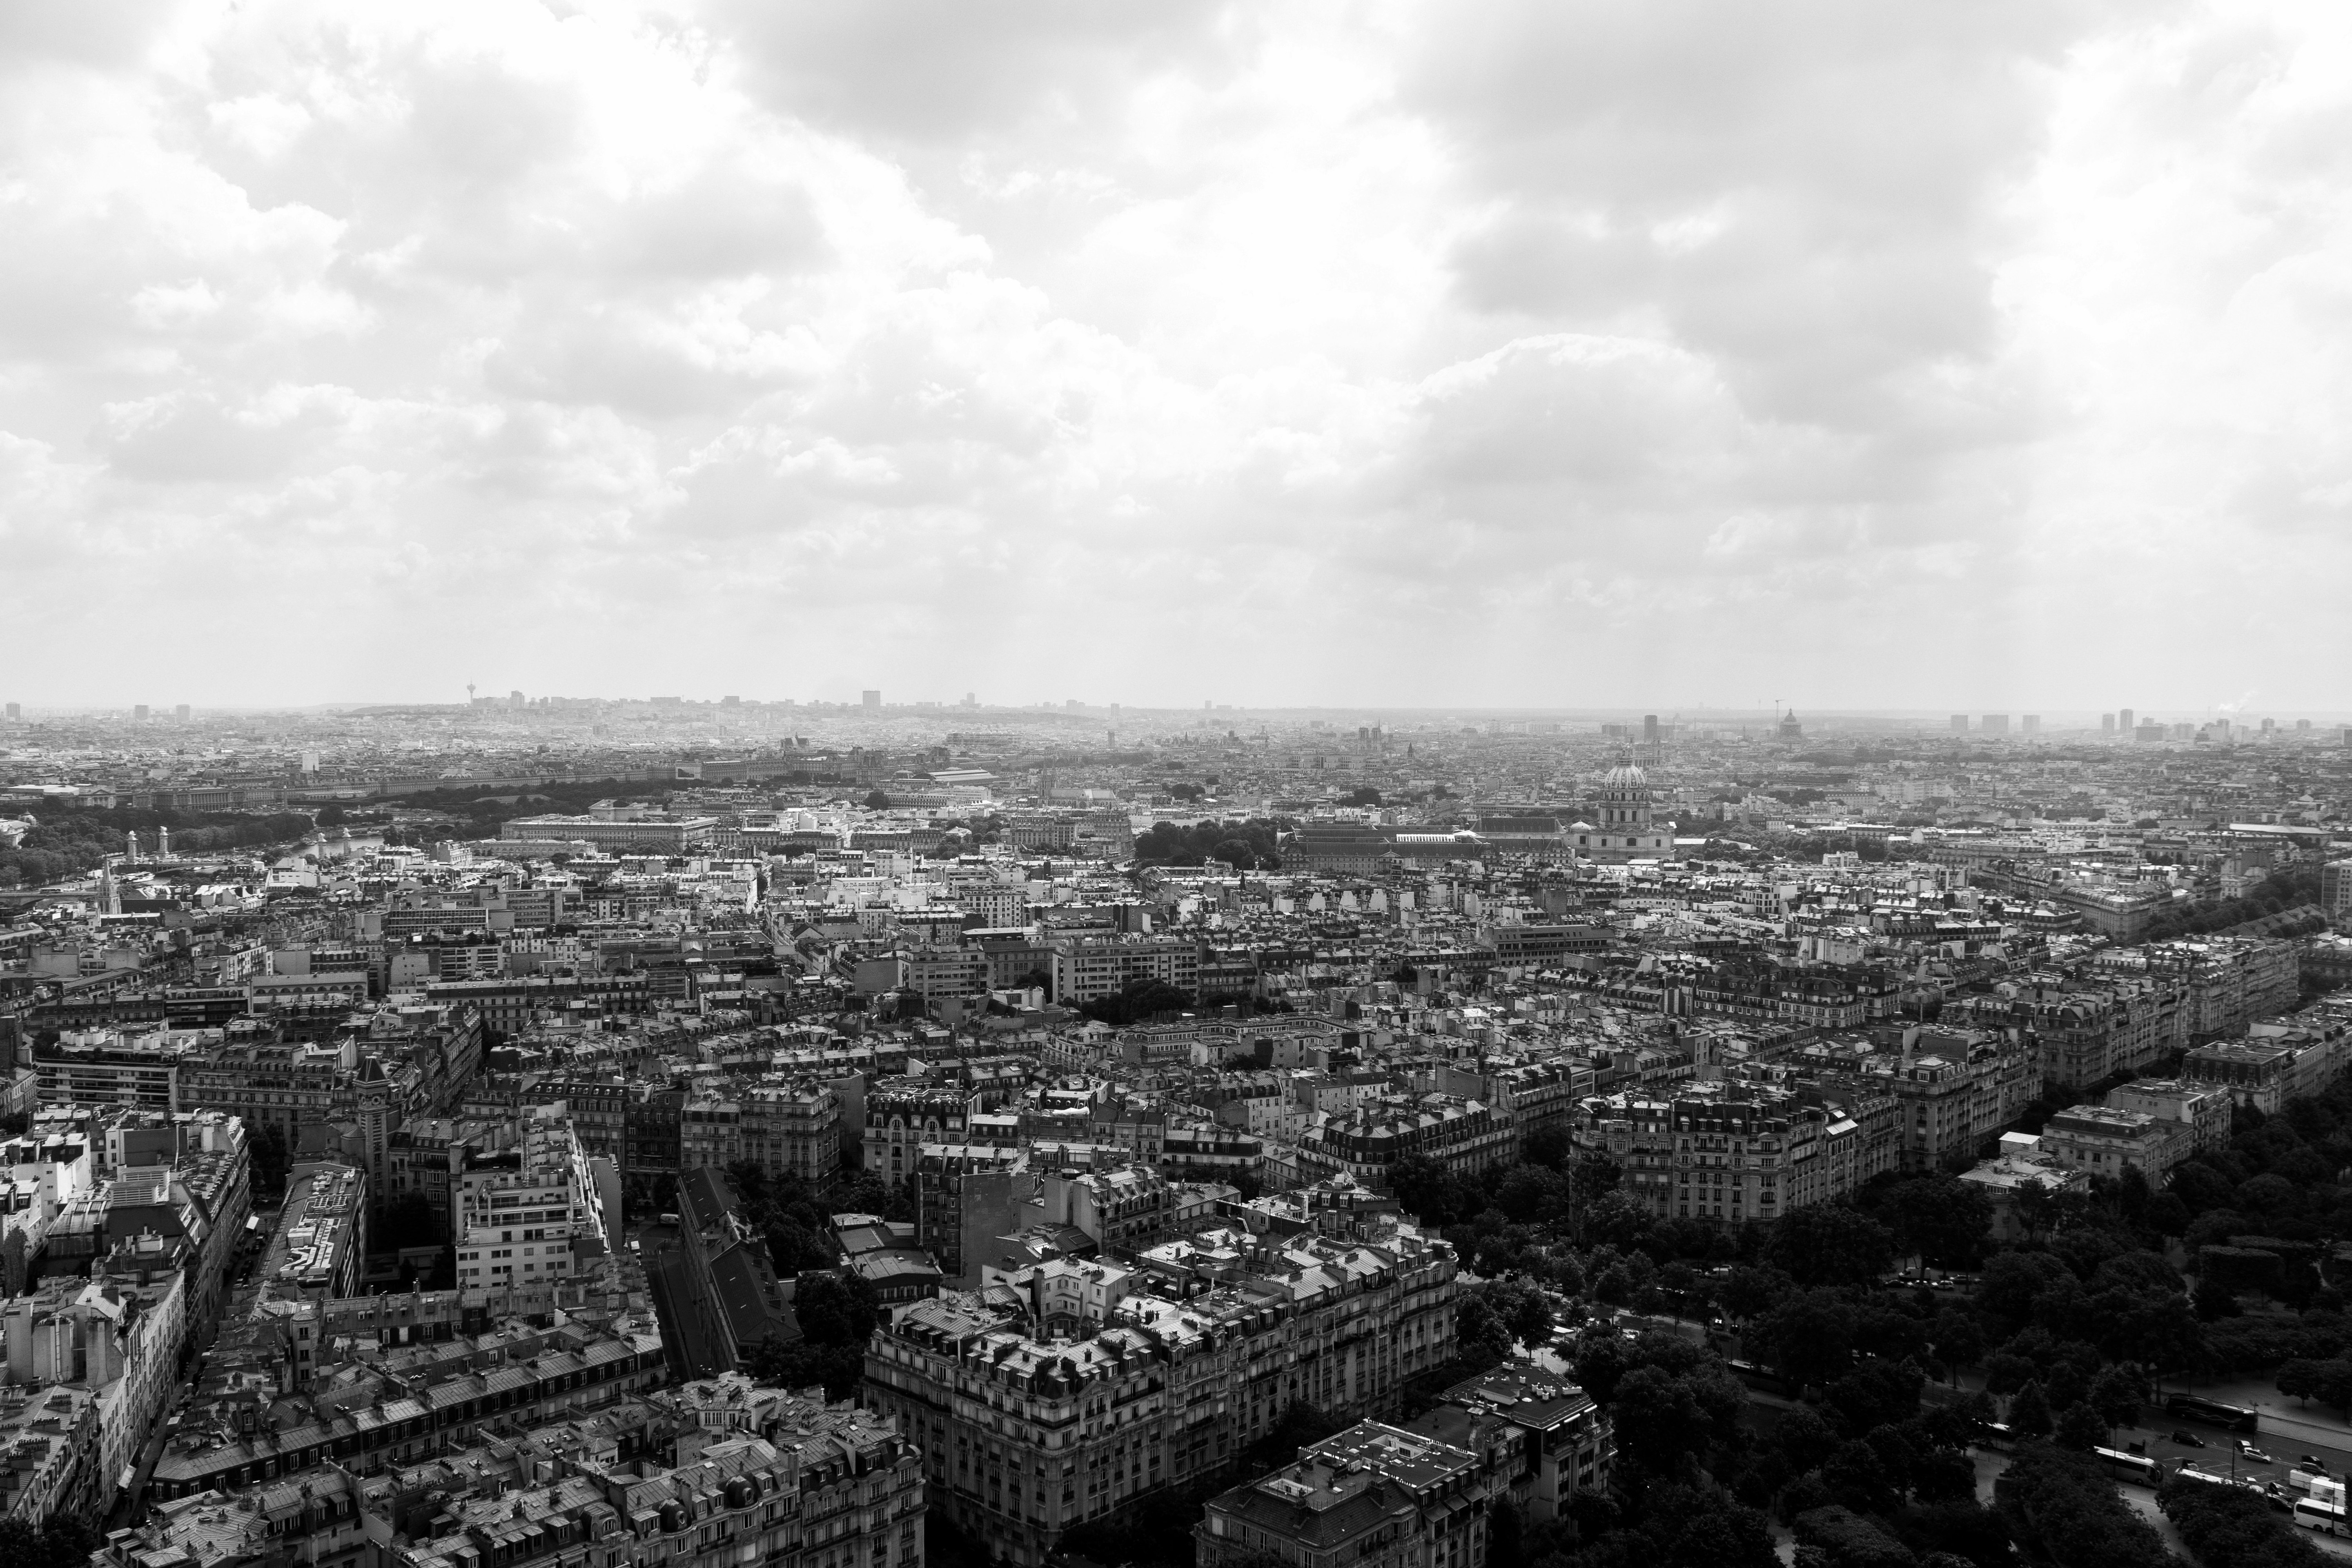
point(1625, 831)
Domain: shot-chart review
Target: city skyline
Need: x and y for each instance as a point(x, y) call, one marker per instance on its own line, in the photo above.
point(1321, 356)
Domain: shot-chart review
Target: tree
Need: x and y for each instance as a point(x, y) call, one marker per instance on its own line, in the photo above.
point(2079, 1426)
point(2213, 1301)
point(1530, 1192)
point(408, 1221)
point(1137, 1001)
point(2115, 1394)
point(1957, 1340)
point(1848, 1540)
point(834, 1309)
point(267, 1144)
point(2063, 1507)
point(1665, 1424)
point(1941, 1218)
point(1808, 1338)
point(2028, 1412)
point(1830, 1244)
point(1551, 1145)
point(1236, 852)
point(876, 801)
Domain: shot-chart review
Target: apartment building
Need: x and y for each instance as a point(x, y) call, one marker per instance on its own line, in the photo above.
point(526, 1211)
point(110, 1067)
point(1374, 1495)
point(319, 1248)
point(117, 1335)
point(439, 1395)
point(2106, 1142)
point(944, 1174)
point(787, 1130)
point(2202, 1111)
point(1364, 1141)
point(49, 1466)
point(1076, 1388)
point(1956, 1089)
point(1087, 968)
point(902, 1114)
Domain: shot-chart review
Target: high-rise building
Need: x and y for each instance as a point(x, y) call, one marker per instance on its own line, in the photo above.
point(140, 712)
point(15, 712)
point(2107, 725)
point(1650, 729)
point(2124, 720)
point(2033, 723)
point(180, 712)
point(514, 698)
point(2335, 889)
point(871, 698)
point(1959, 723)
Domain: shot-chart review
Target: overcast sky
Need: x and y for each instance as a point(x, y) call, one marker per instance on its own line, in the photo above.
point(1864, 353)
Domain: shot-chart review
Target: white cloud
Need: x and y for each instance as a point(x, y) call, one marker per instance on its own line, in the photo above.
point(1543, 351)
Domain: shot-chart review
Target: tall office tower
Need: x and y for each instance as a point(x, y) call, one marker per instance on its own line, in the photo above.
point(1996, 723)
point(871, 698)
point(2033, 723)
point(1650, 729)
point(15, 712)
point(2107, 725)
point(180, 712)
point(1959, 723)
point(2124, 720)
point(514, 698)
point(140, 712)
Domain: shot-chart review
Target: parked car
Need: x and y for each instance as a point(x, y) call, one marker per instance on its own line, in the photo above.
point(2188, 1439)
point(2252, 1454)
point(2311, 1461)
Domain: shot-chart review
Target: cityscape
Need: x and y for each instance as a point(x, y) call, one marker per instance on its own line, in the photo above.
point(873, 1133)
point(1161, 784)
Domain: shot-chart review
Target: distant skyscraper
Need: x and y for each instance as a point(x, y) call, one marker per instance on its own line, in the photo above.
point(514, 698)
point(872, 698)
point(1959, 723)
point(140, 712)
point(2124, 720)
point(16, 711)
point(2033, 723)
point(2107, 724)
point(1650, 728)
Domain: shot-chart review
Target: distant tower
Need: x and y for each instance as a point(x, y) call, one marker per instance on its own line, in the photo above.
point(469, 694)
point(130, 848)
point(163, 844)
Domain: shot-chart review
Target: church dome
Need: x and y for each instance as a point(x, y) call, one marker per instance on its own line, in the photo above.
point(1625, 775)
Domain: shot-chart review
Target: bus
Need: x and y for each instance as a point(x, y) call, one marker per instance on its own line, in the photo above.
point(2327, 1517)
point(2212, 1412)
point(2136, 1468)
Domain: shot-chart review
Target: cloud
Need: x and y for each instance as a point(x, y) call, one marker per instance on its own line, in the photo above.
point(1534, 353)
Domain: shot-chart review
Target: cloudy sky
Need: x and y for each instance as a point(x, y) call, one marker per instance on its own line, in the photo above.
point(1531, 351)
